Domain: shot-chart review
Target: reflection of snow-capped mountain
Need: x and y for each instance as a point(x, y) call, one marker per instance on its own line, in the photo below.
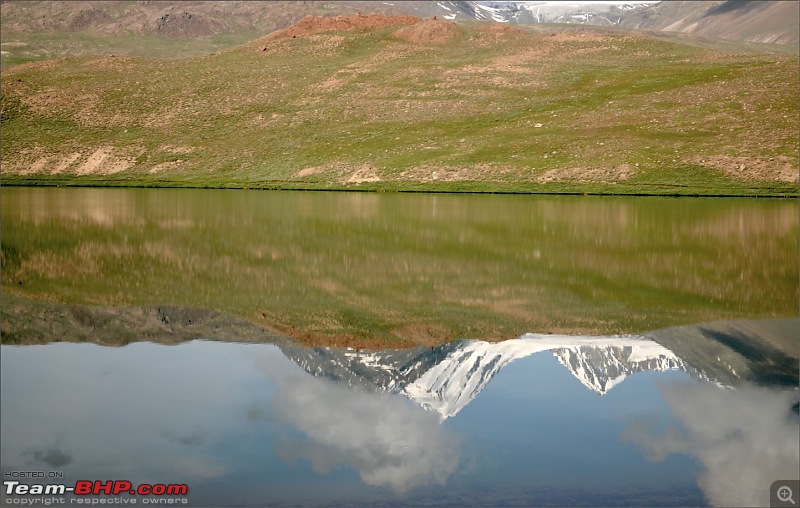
point(601, 369)
point(447, 378)
point(598, 363)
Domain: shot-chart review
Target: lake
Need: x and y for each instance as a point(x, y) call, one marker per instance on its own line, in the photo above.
point(509, 350)
point(406, 269)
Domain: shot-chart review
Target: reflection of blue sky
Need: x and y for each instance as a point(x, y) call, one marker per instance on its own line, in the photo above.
point(143, 412)
point(201, 413)
point(536, 421)
point(242, 424)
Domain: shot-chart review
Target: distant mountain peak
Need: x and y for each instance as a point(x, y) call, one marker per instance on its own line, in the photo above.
point(575, 12)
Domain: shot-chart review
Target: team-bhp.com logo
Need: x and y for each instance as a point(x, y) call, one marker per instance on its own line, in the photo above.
point(97, 488)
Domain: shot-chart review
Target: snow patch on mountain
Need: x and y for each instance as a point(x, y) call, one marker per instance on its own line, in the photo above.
point(495, 14)
point(592, 13)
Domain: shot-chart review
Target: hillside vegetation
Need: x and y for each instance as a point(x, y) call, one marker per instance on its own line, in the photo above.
point(42, 30)
point(398, 103)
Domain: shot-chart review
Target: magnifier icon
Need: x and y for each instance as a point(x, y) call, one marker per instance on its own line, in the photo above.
point(785, 494)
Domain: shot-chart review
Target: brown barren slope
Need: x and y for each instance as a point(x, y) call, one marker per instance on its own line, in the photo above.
point(755, 21)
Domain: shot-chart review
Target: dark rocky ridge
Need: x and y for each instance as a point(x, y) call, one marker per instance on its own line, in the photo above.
point(25, 322)
point(727, 352)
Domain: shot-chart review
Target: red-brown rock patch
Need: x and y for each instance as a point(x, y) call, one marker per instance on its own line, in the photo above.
point(314, 24)
point(430, 31)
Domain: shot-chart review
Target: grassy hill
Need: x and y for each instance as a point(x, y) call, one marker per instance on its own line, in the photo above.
point(370, 102)
point(41, 30)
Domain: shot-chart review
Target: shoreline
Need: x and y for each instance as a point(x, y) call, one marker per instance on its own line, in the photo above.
point(26, 321)
point(472, 187)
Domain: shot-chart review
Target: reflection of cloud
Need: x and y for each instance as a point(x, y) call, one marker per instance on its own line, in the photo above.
point(53, 457)
point(190, 466)
point(389, 441)
point(746, 439)
point(194, 438)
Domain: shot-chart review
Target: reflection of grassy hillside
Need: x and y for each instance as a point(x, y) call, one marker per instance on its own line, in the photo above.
point(325, 267)
point(363, 109)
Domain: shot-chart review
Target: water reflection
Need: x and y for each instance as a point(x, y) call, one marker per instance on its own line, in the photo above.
point(52, 457)
point(542, 419)
point(444, 379)
point(327, 265)
point(447, 378)
point(745, 438)
point(389, 441)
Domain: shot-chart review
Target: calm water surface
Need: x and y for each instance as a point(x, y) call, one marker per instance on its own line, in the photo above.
point(416, 267)
point(538, 421)
point(566, 413)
